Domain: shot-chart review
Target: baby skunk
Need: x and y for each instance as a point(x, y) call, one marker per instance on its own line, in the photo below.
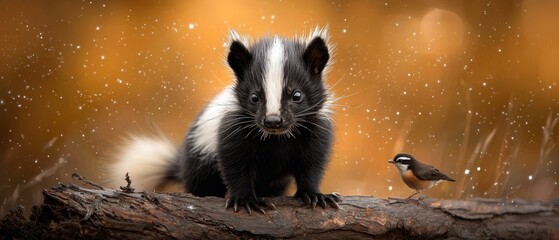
point(272, 125)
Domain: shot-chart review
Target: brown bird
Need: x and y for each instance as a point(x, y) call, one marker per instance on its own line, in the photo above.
point(417, 175)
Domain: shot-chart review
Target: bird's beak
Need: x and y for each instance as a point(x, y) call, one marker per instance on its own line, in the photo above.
point(391, 161)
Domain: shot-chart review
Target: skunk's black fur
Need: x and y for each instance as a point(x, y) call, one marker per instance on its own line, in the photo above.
point(243, 146)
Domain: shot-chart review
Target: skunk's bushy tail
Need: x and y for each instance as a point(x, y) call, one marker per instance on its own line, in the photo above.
point(149, 161)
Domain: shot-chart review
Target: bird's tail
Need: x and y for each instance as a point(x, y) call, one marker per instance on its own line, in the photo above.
point(149, 160)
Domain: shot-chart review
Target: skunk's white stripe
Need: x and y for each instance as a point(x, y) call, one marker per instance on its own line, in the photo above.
point(205, 136)
point(273, 80)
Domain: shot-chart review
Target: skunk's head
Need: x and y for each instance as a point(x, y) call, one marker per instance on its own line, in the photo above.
point(280, 81)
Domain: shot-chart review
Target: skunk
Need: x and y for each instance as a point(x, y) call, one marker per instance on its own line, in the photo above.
point(271, 126)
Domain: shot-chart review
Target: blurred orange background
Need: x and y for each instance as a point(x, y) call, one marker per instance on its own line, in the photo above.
point(470, 87)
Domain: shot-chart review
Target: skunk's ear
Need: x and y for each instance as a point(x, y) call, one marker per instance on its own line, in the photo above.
point(239, 58)
point(316, 55)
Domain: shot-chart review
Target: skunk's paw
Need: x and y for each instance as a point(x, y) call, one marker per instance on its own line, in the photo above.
point(314, 198)
point(249, 203)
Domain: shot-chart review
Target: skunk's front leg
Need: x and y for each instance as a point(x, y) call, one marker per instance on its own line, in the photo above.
point(239, 178)
point(308, 181)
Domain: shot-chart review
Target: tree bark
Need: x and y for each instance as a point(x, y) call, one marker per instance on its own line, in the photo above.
point(74, 212)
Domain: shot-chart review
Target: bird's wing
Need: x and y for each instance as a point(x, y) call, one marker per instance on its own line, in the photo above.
point(430, 173)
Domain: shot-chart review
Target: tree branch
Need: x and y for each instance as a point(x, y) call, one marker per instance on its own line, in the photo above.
point(74, 212)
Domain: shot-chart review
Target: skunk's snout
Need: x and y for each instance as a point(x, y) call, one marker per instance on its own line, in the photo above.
point(273, 121)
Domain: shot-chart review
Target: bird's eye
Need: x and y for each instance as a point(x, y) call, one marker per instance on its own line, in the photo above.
point(254, 98)
point(297, 97)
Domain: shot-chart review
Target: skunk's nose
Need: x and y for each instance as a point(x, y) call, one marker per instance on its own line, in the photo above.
point(273, 121)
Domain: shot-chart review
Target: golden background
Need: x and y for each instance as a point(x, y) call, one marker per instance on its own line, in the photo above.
point(470, 87)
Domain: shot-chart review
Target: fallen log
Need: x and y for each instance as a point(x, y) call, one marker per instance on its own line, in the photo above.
point(76, 212)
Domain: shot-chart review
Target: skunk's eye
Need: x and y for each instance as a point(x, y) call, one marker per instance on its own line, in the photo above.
point(254, 98)
point(297, 97)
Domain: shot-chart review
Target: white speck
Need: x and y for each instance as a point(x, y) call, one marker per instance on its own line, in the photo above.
point(191, 26)
point(478, 169)
point(499, 50)
point(78, 47)
point(484, 84)
point(344, 30)
point(103, 57)
point(530, 177)
point(397, 113)
point(389, 188)
point(97, 28)
point(467, 171)
point(190, 207)
point(119, 80)
point(405, 92)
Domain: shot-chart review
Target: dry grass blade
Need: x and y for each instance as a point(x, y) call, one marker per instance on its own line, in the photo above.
point(548, 143)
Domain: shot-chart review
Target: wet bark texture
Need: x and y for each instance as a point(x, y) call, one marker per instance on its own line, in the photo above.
point(75, 212)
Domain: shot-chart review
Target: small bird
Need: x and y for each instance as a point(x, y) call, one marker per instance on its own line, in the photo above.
point(417, 175)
